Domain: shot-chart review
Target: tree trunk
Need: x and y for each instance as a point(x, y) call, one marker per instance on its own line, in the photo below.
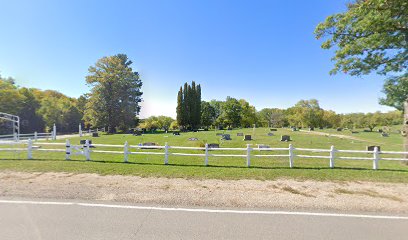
point(405, 128)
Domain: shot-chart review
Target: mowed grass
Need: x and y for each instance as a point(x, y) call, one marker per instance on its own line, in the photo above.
point(224, 167)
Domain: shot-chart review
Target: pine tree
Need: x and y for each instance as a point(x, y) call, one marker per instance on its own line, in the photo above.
point(179, 110)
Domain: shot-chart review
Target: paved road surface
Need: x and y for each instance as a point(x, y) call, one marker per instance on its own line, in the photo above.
point(67, 220)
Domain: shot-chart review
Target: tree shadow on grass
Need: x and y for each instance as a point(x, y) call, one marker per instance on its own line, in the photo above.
point(216, 166)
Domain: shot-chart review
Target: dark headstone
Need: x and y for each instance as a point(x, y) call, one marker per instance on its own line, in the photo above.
point(214, 145)
point(371, 148)
point(193, 139)
point(176, 133)
point(220, 128)
point(137, 133)
point(205, 129)
point(311, 129)
point(240, 134)
point(270, 134)
point(321, 128)
point(384, 134)
point(285, 138)
point(83, 142)
point(273, 129)
point(263, 146)
point(148, 144)
point(294, 129)
point(354, 132)
point(226, 137)
point(230, 128)
point(195, 130)
point(95, 134)
point(380, 130)
point(339, 129)
point(247, 138)
point(366, 130)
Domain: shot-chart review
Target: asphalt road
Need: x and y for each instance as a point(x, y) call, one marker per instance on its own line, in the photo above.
point(67, 220)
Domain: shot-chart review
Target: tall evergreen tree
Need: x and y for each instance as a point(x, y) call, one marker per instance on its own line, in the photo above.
point(115, 95)
point(189, 106)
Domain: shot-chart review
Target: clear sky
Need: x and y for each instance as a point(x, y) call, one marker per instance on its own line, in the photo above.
point(262, 51)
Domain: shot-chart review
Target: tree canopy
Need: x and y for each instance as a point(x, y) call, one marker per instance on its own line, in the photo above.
point(371, 36)
point(115, 94)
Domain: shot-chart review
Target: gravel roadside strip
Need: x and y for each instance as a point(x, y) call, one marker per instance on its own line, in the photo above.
point(279, 194)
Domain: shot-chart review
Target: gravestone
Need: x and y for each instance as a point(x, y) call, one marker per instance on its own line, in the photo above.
point(83, 142)
point(270, 134)
point(220, 128)
point(321, 128)
point(371, 148)
point(366, 130)
point(219, 134)
point(339, 129)
point(95, 134)
point(273, 129)
point(285, 138)
point(380, 130)
point(354, 132)
point(294, 129)
point(384, 134)
point(213, 145)
point(137, 133)
point(240, 134)
point(311, 129)
point(247, 138)
point(193, 139)
point(263, 146)
point(226, 137)
point(230, 128)
point(195, 130)
point(176, 133)
point(148, 144)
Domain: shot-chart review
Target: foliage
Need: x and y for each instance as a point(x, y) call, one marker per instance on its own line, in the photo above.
point(115, 94)
point(372, 35)
point(38, 110)
point(189, 106)
point(155, 123)
point(396, 91)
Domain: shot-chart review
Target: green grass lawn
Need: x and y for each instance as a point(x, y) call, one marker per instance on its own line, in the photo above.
point(224, 168)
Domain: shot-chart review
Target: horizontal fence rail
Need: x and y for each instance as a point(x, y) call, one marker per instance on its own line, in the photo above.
point(126, 150)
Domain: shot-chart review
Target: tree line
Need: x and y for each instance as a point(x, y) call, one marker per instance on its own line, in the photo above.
point(234, 113)
point(38, 110)
point(113, 101)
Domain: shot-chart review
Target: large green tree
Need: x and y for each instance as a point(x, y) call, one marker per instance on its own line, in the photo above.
point(371, 36)
point(115, 96)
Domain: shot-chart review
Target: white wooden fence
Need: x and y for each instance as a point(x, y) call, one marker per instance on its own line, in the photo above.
point(126, 150)
point(35, 136)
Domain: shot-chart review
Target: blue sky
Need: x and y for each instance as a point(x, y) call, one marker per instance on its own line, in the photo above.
point(262, 51)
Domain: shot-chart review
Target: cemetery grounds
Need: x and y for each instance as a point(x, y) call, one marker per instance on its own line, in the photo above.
point(226, 168)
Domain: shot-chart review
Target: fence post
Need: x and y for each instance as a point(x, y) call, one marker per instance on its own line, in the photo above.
point(30, 149)
point(35, 136)
point(87, 151)
point(68, 150)
point(166, 154)
point(206, 154)
point(15, 137)
point(126, 151)
point(332, 156)
point(54, 132)
point(376, 158)
point(291, 156)
point(248, 155)
point(80, 130)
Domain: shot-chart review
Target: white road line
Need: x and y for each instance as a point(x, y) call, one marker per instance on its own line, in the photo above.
point(206, 210)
